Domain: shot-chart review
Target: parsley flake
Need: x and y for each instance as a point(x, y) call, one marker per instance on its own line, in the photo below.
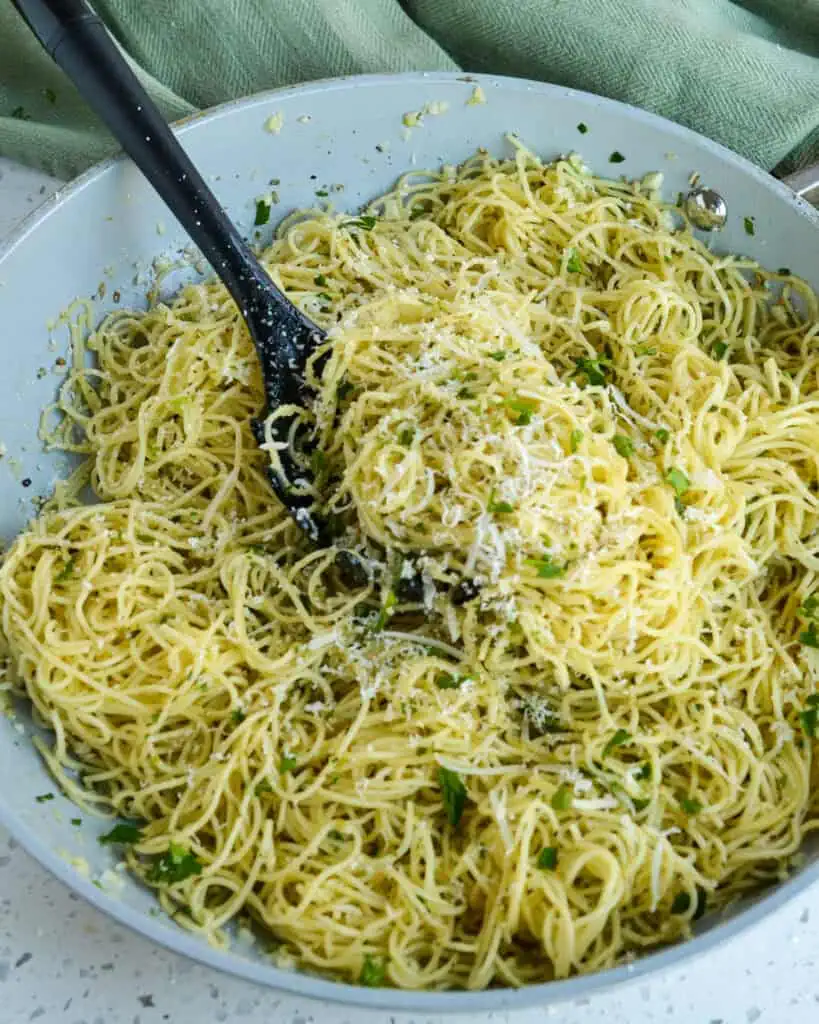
point(287, 764)
point(122, 834)
point(690, 805)
point(750, 227)
point(810, 638)
point(617, 740)
point(662, 435)
point(497, 356)
point(66, 572)
point(562, 798)
point(366, 223)
point(623, 445)
point(372, 972)
point(574, 266)
point(546, 568)
point(175, 865)
point(575, 440)
point(406, 436)
point(582, 128)
point(595, 370)
point(616, 157)
point(454, 794)
point(719, 350)
point(262, 212)
point(548, 858)
point(43, 798)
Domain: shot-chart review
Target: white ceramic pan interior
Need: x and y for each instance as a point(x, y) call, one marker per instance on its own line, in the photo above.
point(99, 237)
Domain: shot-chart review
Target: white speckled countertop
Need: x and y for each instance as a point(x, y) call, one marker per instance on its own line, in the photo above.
point(63, 962)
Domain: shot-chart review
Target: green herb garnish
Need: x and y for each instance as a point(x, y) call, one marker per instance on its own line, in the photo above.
point(546, 568)
point(287, 764)
point(390, 601)
point(448, 681)
point(43, 798)
point(574, 266)
point(582, 128)
point(262, 212)
point(810, 638)
point(690, 805)
point(575, 438)
point(594, 369)
point(238, 715)
point(497, 356)
point(320, 281)
point(548, 858)
point(454, 793)
point(372, 972)
point(719, 349)
point(406, 436)
point(121, 834)
point(750, 228)
point(810, 607)
point(662, 435)
point(523, 408)
point(809, 719)
point(66, 572)
point(175, 865)
point(263, 787)
point(366, 223)
point(562, 797)
point(617, 740)
point(616, 157)
point(623, 445)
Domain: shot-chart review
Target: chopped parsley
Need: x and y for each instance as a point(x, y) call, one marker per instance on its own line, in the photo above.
point(322, 193)
point(499, 508)
point(366, 223)
point(623, 445)
point(238, 715)
point(546, 568)
point(645, 350)
point(43, 798)
point(373, 972)
point(784, 271)
point(679, 481)
point(454, 793)
point(690, 805)
point(809, 718)
point(616, 157)
point(582, 128)
point(662, 435)
point(810, 607)
point(644, 772)
point(574, 266)
point(448, 681)
point(175, 865)
point(76, 822)
point(523, 408)
point(320, 281)
point(287, 764)
point(263, 787)
point(562, 797)
point(719, 349)
point(575, 440)
point(594, 369)
point(122, 834)
point(497, 356)
point(406, 436)
point(750, 227)
point(548, 858)
point(262, 212)
point(809, 638)
point(66, 572)
point(617, 740)
point(390, 601)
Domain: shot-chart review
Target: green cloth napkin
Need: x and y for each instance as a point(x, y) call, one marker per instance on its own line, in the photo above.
point(744, 72)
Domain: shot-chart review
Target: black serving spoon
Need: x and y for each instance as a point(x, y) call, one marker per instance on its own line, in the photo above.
point(75, 37)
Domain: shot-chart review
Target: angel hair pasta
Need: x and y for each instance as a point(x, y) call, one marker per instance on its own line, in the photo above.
point(572, 704)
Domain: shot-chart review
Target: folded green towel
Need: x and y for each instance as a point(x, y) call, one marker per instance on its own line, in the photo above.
point(746, 73)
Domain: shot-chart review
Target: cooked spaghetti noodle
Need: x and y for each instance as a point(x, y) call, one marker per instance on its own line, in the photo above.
point(536, 381)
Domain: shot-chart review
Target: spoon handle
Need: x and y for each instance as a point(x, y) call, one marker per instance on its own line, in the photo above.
point(75, 37)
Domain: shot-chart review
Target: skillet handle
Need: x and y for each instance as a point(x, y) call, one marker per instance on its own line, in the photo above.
point(805, 183)
point(75, 37)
